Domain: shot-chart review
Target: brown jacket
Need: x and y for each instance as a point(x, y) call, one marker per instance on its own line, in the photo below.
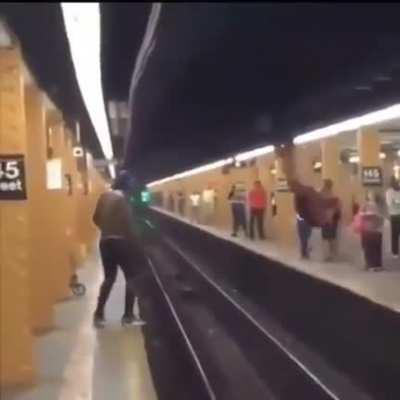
point(113, 216)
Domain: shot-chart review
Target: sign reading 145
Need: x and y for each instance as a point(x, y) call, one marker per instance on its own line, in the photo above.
point(372, 176)
point(9, 169)
point(372, 173)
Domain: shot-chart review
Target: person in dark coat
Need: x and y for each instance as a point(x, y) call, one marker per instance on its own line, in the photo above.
point(119, 246)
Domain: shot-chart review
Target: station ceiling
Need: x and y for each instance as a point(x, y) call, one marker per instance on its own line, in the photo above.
point(223, 77)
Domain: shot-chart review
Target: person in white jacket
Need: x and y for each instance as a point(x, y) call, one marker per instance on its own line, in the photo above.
point(393, 204)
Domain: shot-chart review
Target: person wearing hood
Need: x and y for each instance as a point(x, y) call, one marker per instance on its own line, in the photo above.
point(119, 246)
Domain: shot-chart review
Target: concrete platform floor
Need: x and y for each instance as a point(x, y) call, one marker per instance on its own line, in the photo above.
point(76, 362)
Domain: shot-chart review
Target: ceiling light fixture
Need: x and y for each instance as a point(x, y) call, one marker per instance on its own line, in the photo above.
point(194, 171)
point(247, 155)
point(351, 124)
point(82, 25)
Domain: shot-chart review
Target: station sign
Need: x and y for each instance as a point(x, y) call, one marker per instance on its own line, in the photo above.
point(371, 176)
point(12, 177)
point(282, 185)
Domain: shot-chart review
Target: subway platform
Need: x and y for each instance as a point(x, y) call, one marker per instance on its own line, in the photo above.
point(379, 287)
point(76, 361)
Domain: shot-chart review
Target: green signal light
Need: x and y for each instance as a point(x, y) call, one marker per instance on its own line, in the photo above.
point(145, 196)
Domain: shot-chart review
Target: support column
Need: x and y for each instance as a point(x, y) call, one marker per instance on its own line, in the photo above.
point(42, 293)
point(286, 215)
point(56, 211)
point(369, 146)
point(69, 197)
point(16, 342)
point(78, 252)
point(330, 159)
point(268, 181)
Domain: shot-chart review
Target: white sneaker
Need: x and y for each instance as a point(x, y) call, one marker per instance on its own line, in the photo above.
point(138, 322)
point(99, 322)
point(135, 321)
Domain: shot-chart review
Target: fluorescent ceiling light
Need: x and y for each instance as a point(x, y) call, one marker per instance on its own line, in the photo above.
point(82, 25)
point(352, 124)
point(254, 153)
point(194, 171)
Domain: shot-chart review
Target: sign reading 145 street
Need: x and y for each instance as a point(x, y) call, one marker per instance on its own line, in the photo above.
point(371, 176)
point(12, 177)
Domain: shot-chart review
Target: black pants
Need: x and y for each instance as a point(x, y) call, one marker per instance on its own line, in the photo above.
point(304, 231)
point(239, 217)
point(257, 216)
point(114, 253)
point(395, 228)
point(372, 246)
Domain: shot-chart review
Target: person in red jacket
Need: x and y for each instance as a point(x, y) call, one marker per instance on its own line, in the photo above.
point(258, 204)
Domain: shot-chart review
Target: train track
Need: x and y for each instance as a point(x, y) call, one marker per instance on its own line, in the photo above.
point(206, 388)
point(234, 354)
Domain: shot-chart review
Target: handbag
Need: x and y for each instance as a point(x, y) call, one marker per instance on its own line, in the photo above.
point(357, 224)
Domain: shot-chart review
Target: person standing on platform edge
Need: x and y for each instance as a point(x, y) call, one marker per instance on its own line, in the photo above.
point(329, 230)
point(119, 246)
point(304, 231)
point(372, 220)
point(237, 198)
point(393, 204)
point(258, 204)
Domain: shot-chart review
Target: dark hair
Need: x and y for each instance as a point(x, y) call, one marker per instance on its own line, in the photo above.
point(328, 184)
point(122, 182)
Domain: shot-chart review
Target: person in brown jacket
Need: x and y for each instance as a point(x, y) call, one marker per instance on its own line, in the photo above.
point(119, 246)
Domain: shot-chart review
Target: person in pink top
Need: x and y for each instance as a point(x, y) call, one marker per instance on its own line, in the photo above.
point(258, 204)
